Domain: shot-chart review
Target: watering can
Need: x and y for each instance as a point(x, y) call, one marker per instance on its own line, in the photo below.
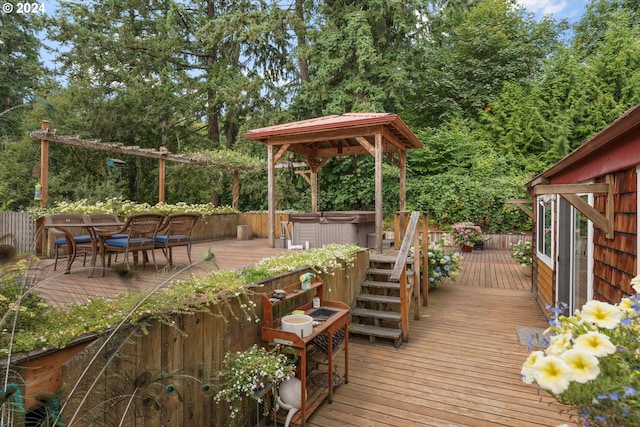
point(290, 397)
point(305, 280)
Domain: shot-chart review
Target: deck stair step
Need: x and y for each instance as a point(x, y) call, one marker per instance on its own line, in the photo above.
point(387, 259)
point(376, 331)
point(380, 285)
point(380, 299)
point(384, 271)
point(376, 314)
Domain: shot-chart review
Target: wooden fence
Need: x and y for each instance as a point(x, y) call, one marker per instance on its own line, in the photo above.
point(18, 229)
point(493, 241)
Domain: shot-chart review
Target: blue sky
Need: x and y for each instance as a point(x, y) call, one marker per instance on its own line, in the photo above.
point(570, 9)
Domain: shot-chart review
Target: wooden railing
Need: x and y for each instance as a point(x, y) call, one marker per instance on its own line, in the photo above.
point(419, 239)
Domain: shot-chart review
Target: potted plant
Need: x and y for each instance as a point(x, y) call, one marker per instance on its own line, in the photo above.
point(591, 363)
point(442, 264)
point(250, 372)
point(466, 234)
point(521, 253)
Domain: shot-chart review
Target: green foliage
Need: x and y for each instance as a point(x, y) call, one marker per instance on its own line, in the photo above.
point(39, 325)
point(458, 177)
point(124, 208)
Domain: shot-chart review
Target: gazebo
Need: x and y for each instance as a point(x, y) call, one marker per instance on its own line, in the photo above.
point(319, 139)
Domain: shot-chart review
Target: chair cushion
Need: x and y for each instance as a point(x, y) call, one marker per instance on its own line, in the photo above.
point(172, 238)
point(123, 243)
point(78, 239)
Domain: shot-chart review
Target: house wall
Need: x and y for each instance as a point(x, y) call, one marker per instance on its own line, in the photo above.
point(545, 285)
point(615, 260)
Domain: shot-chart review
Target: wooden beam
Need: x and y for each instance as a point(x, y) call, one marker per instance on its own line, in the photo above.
point(161, 175)
point(364, 142)
point(570, 193)
point(114, 147)
point(334, 134)
point(543, 189)
point(305, 175)
point(525, 205)
point(281, 150)
point(378, 193)
point(271, 197)
point(44, 166)
point(402, 164)
point(599, 220)
point(235, 202)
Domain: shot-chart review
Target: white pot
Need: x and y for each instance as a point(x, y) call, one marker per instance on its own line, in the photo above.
point(300, 324)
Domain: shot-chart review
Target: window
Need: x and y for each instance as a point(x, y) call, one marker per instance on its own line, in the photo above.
point(545, 229)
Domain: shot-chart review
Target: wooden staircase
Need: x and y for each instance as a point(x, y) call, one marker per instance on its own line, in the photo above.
point(392, 282)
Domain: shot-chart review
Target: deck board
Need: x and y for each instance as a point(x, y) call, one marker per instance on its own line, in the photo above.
point(460, 367)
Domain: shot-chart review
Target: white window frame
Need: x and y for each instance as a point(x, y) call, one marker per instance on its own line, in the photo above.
point(540, 212)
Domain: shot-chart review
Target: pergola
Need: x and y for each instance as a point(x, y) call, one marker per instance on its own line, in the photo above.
point(45, 135)
point(319, 139)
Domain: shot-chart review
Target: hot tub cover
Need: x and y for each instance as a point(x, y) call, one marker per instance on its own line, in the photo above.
point(338, 217)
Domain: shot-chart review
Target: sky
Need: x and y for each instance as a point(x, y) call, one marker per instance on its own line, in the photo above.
point(560, 9)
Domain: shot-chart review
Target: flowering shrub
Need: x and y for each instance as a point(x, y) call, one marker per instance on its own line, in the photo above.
point(521, 252)
point(245, 373)
point(442, 264)
point(593, 362)
point(466, 233)
point(124, 208)
point(321, 260)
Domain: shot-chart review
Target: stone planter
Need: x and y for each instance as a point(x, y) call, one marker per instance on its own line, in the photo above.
point(527, 270)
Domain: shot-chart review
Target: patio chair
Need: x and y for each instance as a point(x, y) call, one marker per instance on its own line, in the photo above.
point(61, 246)
point(140, 231)
point(96, 220)
point(176, 231)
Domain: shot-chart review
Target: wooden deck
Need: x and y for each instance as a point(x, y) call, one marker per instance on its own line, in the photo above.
point(460, 367)
point(60, 289)
point(462, 362)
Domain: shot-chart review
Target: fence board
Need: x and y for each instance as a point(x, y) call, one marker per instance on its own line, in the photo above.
point(19, 229)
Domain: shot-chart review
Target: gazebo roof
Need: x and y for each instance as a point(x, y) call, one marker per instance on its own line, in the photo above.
point(338, 134)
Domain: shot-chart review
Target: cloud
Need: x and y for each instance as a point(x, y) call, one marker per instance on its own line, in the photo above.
point(570, 9)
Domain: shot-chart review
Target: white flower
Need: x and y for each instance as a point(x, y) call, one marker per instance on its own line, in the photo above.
point(602, 314)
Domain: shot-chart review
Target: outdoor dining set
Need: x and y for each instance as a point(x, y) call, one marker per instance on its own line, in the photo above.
point(105, 235)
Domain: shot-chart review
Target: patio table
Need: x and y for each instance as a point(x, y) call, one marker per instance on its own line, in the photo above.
point(93, 230)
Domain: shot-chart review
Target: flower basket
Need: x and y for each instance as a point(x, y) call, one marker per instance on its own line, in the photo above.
point(591, 362)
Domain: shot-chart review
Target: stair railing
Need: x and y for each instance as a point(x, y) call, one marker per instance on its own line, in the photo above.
point(410, 238)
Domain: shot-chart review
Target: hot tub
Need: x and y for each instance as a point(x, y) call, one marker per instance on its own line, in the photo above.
point(323, 228)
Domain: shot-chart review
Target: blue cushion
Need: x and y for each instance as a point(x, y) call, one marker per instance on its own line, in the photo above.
point(175, 237)
point(78, 239)
point(123, 243)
